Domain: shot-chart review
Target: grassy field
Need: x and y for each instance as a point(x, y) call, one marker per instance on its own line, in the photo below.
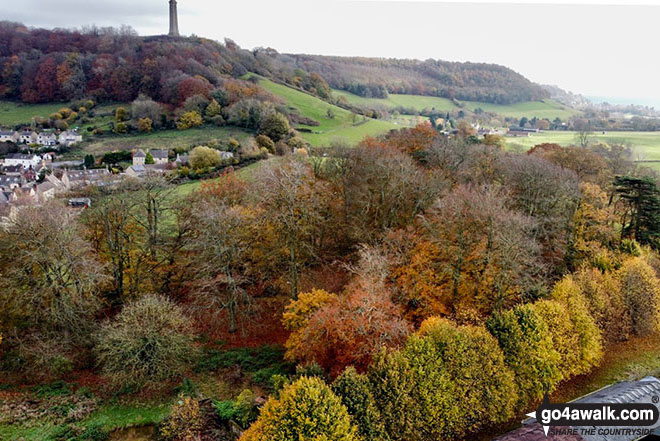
point(341, 127)
point(541, 109)
point(645, 144)
point(12, 114)
point(169, 139)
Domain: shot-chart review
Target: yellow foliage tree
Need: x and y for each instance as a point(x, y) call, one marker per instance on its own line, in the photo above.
point(641, 293)
point(306, 410)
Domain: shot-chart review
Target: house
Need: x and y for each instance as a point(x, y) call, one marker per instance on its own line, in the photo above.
point(12, 170)
point(139, 171)
point(645, 390)
point(9, 183)
point(226, 155)
point(46, 191)
point(46, 139)
point(25, 160)
point(70, 137)
point(8, 137)
point(27, 137)
point(160, 156)
point(79, 178)
point(139, 157)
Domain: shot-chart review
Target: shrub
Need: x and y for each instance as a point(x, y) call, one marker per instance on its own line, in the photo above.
point(145, 125)
point(265, 142)
point(275, 126)
point(189, 120)
point(355, 393)
point(185, 421)
point(641, 293)
point(305, 410)
point(203, 157)
point(149, 341)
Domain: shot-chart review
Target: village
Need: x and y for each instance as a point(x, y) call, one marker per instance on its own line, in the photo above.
point(33, 179)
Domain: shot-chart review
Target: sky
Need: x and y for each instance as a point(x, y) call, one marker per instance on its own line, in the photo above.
point(604, 49)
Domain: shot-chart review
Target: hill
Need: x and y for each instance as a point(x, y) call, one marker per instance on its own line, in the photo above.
point(335, 123)
point(376, 77)
point(404, 103)
point(42, 66)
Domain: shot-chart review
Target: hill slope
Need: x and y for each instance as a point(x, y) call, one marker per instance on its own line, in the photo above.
point(342, 126)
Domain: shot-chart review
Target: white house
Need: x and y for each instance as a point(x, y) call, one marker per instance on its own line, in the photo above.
point(8, 136)
point(70, 138)
point(25, 160)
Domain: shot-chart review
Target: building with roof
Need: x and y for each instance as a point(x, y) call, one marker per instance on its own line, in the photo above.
point(139, 157)
point(25, 160)
point(160, 156)
point(70, 137)
point(27, 137)
point(646, 390)
point(9, 136)
point(46, 139)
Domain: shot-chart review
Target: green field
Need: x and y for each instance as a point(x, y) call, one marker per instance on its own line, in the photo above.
point(168, 139)
point(339, 128)
point(541, 109)
point(12, 114)
point(645, 145)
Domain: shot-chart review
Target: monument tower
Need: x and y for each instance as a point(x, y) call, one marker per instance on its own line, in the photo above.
point(174, 20)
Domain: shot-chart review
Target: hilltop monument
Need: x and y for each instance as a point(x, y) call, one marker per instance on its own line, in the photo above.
point(174, 20)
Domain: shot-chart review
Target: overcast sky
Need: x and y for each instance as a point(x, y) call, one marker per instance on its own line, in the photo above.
point(594, 48)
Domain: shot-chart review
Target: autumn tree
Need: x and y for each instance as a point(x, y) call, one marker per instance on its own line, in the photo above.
point(305, 410)
point(51, 277)
point(294, 216)
point(218, 250)
point(641, 294)
point(382, 188)
point(471, 252)
point(189, 120)
point(354, 390)
point(528, 351)
point(424, 392)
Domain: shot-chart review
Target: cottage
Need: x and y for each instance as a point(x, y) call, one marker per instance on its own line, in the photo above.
point(226, 155)
point(77, 178)
point(8, 137)
point(139, 157)
point(9, 183)
point(27, 137)
point(12, 170)
point(139, 171)
point(46, 191)
point(160, 156)
point(70, 137)
point(24, 160)
point(46, 139)
point(182, 160)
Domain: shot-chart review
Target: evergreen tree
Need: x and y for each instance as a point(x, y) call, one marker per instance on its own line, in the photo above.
point(641, 219)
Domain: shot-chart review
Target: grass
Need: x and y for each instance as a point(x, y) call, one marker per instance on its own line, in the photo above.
point(109, 418)
point(246, 173)
point(541, 109)
point(340, 127)
point(646, 145)
point(12, 114)
point(168, 139)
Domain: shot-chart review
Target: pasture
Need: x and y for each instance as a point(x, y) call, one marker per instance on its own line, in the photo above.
point(166, 139)
point(344, 126)
point(645, 145)
point(541, 109)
